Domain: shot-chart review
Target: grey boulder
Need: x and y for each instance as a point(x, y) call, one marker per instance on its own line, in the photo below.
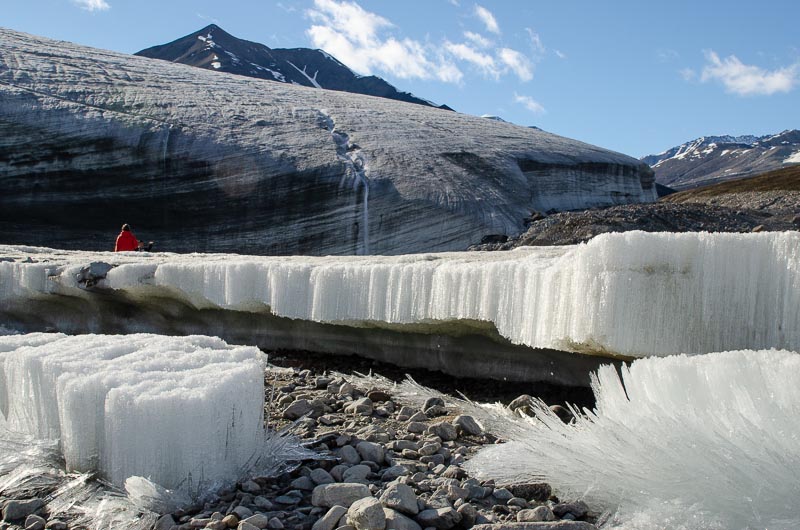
point(366, 514)
point(328, 495)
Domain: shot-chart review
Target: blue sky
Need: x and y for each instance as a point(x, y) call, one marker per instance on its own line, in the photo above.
point(630, 75)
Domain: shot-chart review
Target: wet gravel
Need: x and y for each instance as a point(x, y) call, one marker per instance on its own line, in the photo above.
point(480, 390)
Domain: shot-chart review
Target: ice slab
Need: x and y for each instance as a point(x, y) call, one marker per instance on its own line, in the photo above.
point(174, 409)
point(634, 294)
point(705, 441)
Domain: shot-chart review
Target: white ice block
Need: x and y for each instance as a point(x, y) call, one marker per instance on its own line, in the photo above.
point(634, 294)
point(149, 405)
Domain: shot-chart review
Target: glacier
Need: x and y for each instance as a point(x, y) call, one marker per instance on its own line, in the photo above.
point(686, 442)
point(535, 313)
point(138, 405)
point(207, 161)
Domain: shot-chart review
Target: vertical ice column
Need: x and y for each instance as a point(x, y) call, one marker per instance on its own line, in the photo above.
point(161, 407)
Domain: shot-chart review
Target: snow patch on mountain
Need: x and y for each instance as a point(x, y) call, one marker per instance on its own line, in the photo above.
point(700, 161)
point(312, 80)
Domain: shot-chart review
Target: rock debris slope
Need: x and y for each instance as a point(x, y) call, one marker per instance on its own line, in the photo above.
point(200, 160)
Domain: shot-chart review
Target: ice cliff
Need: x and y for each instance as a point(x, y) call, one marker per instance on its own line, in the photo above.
point(205, 161)
point(632, 295)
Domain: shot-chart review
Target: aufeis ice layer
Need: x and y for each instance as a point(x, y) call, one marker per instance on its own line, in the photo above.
point(170, 408)
point(633, 294)
point(690, 442)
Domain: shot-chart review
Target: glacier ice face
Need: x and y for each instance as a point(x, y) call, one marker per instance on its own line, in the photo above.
point(138, 405)
point(204, 161)
point(706, 441)
point(634, 294)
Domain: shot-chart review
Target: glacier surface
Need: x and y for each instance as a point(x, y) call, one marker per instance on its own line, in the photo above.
point(138, 405)
point(688, 442)
point(205, 161)
point(627, 295)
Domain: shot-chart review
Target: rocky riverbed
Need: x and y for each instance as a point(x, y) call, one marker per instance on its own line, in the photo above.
point(384, 462)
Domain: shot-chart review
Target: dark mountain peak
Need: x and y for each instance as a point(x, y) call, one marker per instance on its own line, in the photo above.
point(211, 28)
point(213, 48)
point(219, 36)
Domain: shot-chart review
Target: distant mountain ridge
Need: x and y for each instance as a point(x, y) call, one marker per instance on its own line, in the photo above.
point(213, 48)
point(711, 159)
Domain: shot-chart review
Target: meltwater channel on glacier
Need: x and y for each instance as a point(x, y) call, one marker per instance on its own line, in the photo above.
point(633, 294)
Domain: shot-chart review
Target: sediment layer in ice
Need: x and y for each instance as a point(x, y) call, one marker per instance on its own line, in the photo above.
point(175, 409)
point(200, 160)
point(694, 442)
point(632, 294)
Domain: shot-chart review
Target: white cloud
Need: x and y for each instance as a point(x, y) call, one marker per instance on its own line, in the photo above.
point(207, 18)
point(477, 39)
point(536, 41)
point(483, 61)
point(92, 5)
point(488, 19)
point(560, 54)
point(666, 55)
point(367, 43)
point(529, 103)
point(288, 9)
point(688, 74)
point(492, 64)
point(517, 62)
point(748, 80)
point(455, 3)
point(344, 15)
point(355, 36)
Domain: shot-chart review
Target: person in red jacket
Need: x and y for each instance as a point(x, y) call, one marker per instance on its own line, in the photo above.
point(126, 240)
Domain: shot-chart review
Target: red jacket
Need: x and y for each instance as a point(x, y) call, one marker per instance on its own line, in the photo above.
point(126, 241)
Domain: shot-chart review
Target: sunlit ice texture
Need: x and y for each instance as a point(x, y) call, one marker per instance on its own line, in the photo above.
point(206, 161)
point(34, 468)
point(296, 303)
point(634, 294)
point(183, 411)
point(705, 441)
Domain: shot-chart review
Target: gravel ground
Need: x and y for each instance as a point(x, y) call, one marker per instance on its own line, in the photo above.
point(480, 390)
point(383, 464)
